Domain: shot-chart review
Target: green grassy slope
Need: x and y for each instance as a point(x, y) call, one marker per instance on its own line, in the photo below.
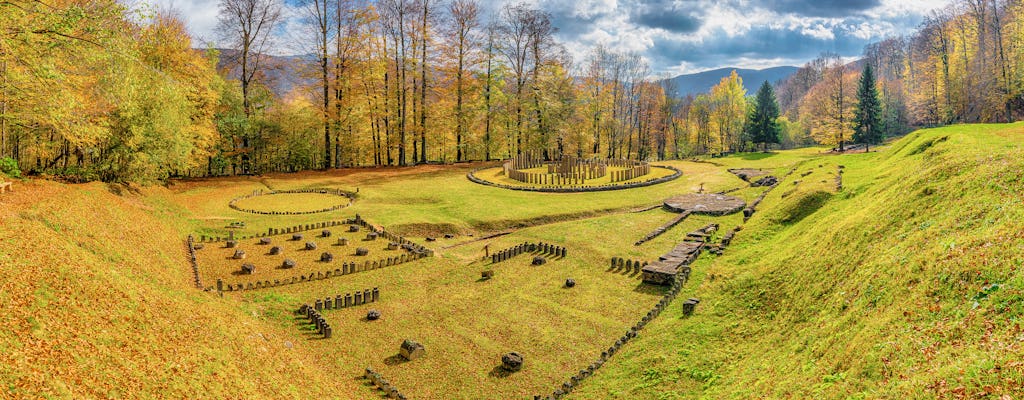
point(907, 284)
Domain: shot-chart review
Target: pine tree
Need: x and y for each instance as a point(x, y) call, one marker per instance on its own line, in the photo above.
point(868, 115)
point(762, 125)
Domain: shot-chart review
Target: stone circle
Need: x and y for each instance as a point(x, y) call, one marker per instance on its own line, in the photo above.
point(706, 203)
point(347, 200)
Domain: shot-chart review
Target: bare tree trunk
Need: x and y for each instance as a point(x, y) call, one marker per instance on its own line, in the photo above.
point(423, 82)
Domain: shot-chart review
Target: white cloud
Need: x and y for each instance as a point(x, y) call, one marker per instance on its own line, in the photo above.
point(788, 37)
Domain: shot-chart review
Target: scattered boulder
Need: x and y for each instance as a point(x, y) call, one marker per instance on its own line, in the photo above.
point(198, 246)
point(362, 251)
point(288, 263)
point(487, 274)
point(297, 237)
point(411, 350)
point(310, 246)
point(512, 362)
point(239, 254)
point(449, 236)
point(570, 283)
point(538, 260)
point(373, 315)
point(342, 242)
point(265, 241)
point(275, 250)
point(431, 239)
point(371, 236)
point(248, 269)
point(325, 233)
point(327, 257)
point(231, 244)
point(353, 228)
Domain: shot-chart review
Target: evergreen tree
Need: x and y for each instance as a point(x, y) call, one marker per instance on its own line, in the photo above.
point(868, 115)
point(762, 125)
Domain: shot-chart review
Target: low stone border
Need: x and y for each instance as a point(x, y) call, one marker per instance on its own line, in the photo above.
point(578, 189)
point(390, 391)
point(347, 269)
point(356, 298)
point(321, 324)
point(839, 179)
point(279, 231)
point(190, 242)
point(662, 229)
point(525, 247)
point(630, 266)
point(335, 192)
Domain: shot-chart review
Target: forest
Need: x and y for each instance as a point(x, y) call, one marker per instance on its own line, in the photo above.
point(97, 90)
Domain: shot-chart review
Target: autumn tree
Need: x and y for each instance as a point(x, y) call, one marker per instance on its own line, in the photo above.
point(729, 110)
point(465, 15)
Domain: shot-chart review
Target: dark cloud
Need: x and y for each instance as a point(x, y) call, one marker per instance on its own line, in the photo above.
point(761, 43)
point(665, 14)
point(821, 8)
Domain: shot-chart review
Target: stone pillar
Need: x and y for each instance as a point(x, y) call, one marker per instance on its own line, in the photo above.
point(358, 298)
point(348, 300)
point(376, 294)
point(319, 305)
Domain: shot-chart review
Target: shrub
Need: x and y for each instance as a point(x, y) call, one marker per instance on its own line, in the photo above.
point(10, 167)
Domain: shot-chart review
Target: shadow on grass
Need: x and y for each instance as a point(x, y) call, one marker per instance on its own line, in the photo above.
point(395, 359)
point(649, 289)
point(500, 372)
point(755, 156)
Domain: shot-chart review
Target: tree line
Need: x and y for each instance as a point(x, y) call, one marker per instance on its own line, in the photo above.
point(97, 90)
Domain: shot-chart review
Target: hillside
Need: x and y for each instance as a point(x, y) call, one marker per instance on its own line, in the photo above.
point(98, 303)
point(702, 82)
point(907, 284)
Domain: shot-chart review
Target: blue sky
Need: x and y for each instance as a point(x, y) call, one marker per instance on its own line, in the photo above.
point(685, 36)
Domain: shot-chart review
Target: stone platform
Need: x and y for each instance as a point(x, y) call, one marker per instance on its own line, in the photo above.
point(708, 204)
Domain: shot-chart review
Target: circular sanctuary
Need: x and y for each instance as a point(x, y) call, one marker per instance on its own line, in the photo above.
point(531, 172)
point(291, 202)
point(709, 204)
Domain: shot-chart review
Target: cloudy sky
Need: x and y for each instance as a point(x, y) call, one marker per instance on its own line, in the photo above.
point(686, 36)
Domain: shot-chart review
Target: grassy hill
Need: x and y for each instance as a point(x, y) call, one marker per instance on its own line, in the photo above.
point(904, 284)
point(907, 284)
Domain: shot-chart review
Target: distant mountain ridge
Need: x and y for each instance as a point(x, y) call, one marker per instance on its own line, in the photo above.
point(702, 82)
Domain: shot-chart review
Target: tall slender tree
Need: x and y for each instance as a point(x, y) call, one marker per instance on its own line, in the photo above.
point(762, 124)
point(465, 16)
point(867, 123)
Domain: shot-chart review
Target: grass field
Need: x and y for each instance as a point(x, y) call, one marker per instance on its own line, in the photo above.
point(291, 202)
point(905, 284)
